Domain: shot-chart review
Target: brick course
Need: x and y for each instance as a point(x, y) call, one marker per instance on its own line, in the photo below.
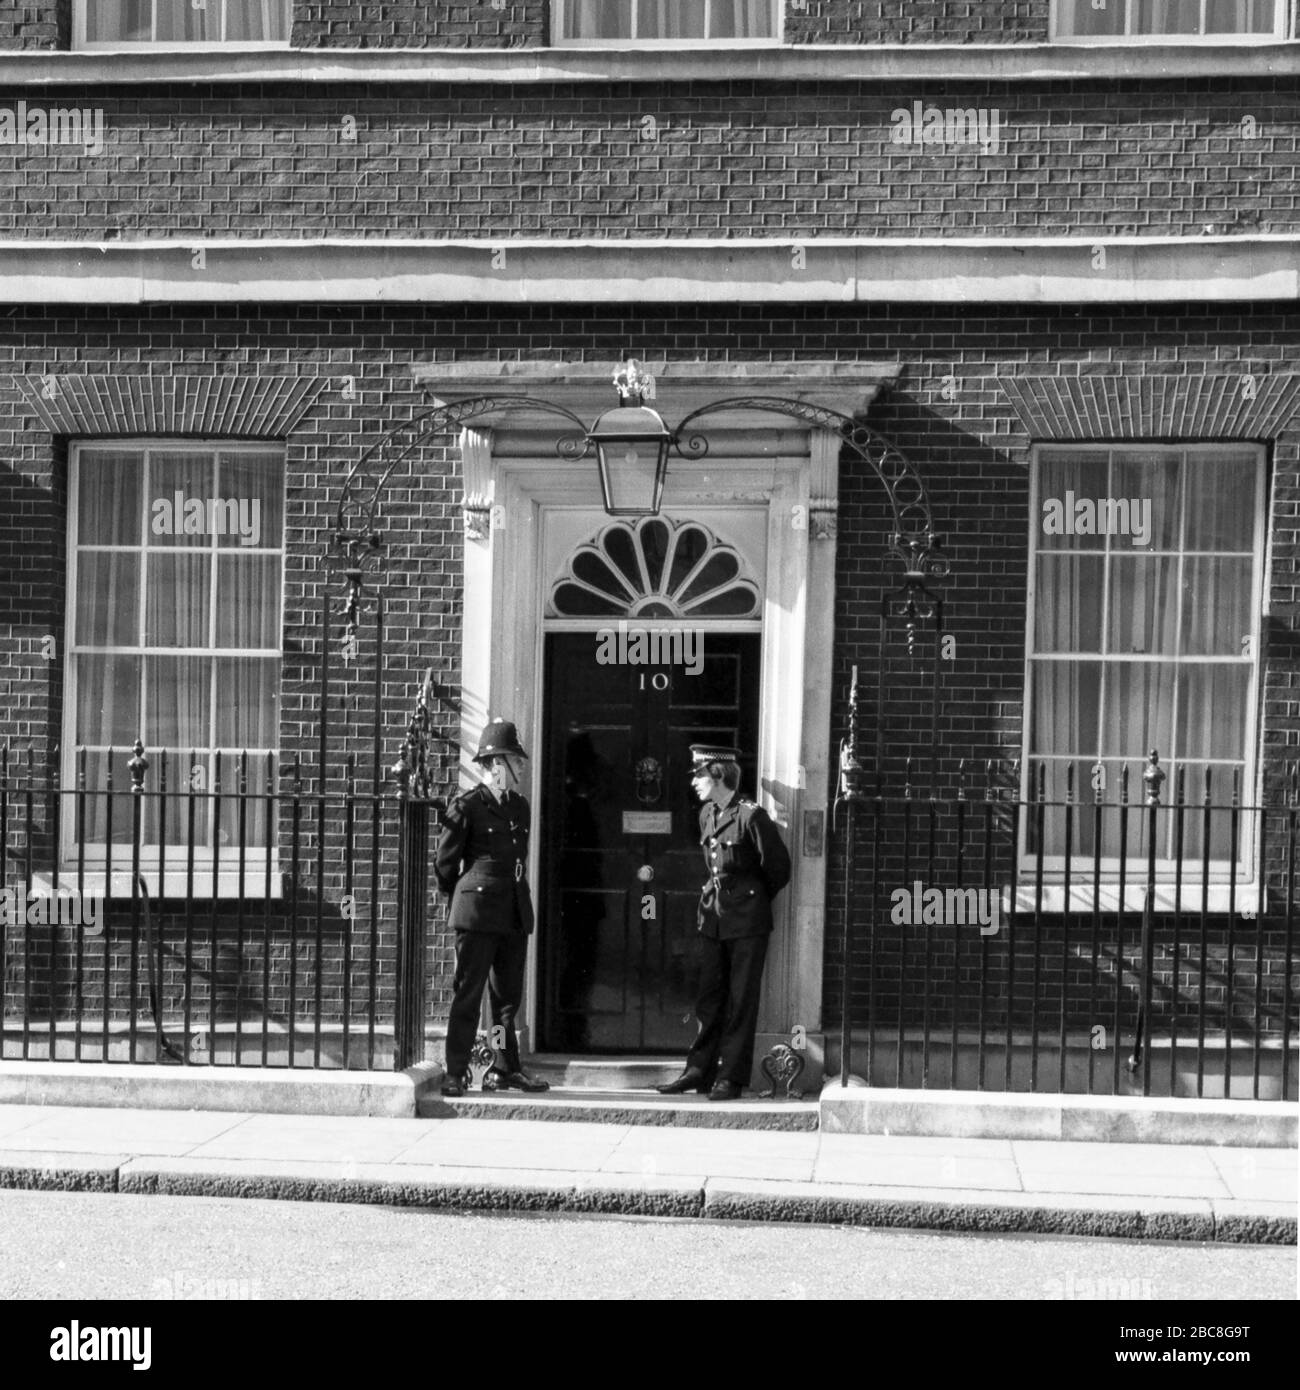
point(728, 160)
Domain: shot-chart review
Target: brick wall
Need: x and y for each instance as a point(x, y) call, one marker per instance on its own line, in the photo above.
point(922, 21)
point(971, 449)
point(727, 159)
point(36, 26)
point(469, 24)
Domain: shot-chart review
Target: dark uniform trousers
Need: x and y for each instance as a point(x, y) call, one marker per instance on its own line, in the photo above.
point(748, 865)
point(498, 961)
point(731, 981)
point(481, 858)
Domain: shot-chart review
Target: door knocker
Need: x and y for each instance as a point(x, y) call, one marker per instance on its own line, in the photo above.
point(649, 781)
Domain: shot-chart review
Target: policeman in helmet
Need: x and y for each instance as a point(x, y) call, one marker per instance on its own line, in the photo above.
point(481, 861)
point(748, 865)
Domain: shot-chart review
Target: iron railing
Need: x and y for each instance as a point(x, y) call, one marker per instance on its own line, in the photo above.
point(1141, 945)
point(211, 912)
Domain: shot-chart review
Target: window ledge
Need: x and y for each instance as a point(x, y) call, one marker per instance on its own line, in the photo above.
point(892, 63)
point(175, 883)
point(1248, 900)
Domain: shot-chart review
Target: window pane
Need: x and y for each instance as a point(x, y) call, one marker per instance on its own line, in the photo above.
point(108, 700)
point(93, 811)
point(1221, 779)
point(1214, 710)
point(1216, 607)
point(179, 20)
point(741, 19)
point(1083, 19)
point(1143, 606)
point(1064, 479)
point(1068, 603)
point(180, 487)
point(1238, 16)
point(247, 692)
point(1221, 502)
point(177, 604)
point(108, 599)
point(255, 483)
point(1167, 17)
point(176, 701)
point(1147, 491)
point(262, 21)
point(121, 21)
point(671, 19)
point(1139, 709)
point(248, 601)
point(1067, 705)
point(108, 497)
point(597, 19)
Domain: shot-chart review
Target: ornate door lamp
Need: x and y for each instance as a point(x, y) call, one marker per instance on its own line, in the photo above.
point(631, 443)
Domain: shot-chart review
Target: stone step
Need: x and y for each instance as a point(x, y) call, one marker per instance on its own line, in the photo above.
point(623, 1107)
point(604, 1073)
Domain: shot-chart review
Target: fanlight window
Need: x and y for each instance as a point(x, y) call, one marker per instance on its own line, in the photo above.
point(655, 569)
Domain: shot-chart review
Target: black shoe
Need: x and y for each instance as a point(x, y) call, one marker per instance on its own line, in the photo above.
point(692, 1079)
point(513, 1081)
point(452, 1088)
point(725, 1090)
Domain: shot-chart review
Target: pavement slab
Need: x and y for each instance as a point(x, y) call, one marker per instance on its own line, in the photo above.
point(1152, 1191)
point(92, 1130)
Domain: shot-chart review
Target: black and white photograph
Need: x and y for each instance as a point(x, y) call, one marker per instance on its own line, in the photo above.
point(649, 652)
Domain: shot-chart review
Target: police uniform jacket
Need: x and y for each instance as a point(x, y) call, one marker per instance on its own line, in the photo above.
point(748, 866)
point(482, 859)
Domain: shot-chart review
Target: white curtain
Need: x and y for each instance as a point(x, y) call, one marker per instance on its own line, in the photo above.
point(597, 19)
point(669, 19)
point(1167, 17)
point(1165, 608)
point(178, 21)
point(183, 677)
point(264, 21)
point(672, 19)
point(1081, 20)
point(119, 21)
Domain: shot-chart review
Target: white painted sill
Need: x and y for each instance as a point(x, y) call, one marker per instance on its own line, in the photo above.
point(175, 884)
point(1249, 900)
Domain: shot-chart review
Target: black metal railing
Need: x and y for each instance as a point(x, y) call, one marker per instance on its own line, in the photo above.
point(1040, 936)
point(266, 914)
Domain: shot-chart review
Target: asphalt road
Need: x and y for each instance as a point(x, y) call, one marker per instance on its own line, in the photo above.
point(73, 1245)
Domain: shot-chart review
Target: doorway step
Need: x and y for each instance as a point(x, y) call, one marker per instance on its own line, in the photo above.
point(620, 1091)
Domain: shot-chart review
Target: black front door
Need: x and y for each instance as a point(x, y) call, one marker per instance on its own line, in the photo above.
point(621, 867)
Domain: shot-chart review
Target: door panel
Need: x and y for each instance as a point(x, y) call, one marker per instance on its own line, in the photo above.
point(618, 960)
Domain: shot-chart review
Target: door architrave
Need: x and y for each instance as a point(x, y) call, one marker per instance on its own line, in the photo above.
point(502, 635)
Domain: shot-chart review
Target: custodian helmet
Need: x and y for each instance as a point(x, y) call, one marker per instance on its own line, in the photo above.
point(499, 737)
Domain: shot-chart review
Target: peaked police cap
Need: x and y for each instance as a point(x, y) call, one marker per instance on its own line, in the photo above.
point(704, 753)
point(499, 737)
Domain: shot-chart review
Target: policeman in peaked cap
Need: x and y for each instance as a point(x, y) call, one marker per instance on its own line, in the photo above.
point(481, 861)
point(748, 866)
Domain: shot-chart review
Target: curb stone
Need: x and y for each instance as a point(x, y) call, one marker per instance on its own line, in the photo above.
point(719, 1199)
